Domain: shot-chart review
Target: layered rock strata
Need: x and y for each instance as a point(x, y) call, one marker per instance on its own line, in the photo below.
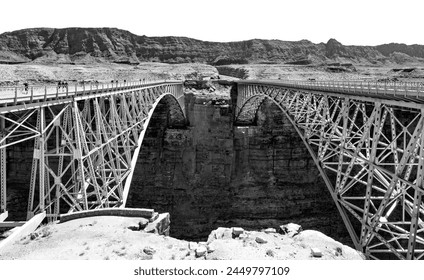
point(214, 174)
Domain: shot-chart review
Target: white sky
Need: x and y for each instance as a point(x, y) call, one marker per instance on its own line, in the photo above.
point(352, 22)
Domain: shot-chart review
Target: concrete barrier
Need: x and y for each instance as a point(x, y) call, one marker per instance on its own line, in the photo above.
point(149, 214)
point(24, 230)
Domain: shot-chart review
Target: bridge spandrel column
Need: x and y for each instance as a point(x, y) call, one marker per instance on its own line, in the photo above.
point(42, 173)
point(80, 178)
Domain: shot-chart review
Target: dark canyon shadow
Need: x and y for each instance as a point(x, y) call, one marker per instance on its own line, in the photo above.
point(212, 173)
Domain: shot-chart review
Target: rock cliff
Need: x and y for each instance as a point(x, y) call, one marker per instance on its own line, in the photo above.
point(393, 48)
point(91, 45)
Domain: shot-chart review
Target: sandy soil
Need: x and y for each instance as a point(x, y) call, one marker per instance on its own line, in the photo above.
point(110, 238)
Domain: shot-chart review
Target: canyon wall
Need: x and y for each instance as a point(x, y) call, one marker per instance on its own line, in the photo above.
point(214, 174)
point(98, 45)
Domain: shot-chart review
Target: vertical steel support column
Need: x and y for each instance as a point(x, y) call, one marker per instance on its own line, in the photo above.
point(34, 168)
point(372, 157)
point(2, 169)
point(345, 115)
point(78, 157)
point(42, 173)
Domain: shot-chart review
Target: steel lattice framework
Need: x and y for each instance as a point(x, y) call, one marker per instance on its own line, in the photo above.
point(367, 140)
point(86, 142)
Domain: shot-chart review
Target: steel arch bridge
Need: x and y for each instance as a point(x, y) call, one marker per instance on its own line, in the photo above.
point(367, 140)
point(86, 140)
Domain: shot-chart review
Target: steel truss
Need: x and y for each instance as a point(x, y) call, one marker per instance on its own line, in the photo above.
point(85, 147)
point(370, 153)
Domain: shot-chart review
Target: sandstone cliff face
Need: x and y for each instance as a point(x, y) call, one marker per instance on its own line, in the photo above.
point(213, 174)
point(335, 50)
point(91, 45)
point(411, 50)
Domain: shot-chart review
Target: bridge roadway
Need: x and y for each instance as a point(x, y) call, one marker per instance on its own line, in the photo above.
point(18, 98)
point(387, 92)
point(15, 98)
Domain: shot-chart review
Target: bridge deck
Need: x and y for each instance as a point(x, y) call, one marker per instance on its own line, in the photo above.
point(19, 98)
point(408, 92)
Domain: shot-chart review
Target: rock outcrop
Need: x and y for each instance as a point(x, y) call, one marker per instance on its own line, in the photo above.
point(410, 50)
point(93, 45)
point(359, 54)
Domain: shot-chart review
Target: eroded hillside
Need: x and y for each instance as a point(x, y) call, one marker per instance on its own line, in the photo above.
point(97, 45)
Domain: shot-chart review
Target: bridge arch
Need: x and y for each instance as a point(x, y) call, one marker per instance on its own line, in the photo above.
point(356, 145)
point(177, 115)
point(245, 113)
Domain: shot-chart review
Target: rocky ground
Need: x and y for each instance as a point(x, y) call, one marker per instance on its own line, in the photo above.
point(41, 74)
point(113, 238)
point(105, 72)
point(412, 72)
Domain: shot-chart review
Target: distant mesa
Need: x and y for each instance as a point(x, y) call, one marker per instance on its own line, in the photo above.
point(111, 45)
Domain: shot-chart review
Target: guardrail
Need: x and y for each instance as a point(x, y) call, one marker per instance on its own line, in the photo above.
point(411, 89)
point(12, 95)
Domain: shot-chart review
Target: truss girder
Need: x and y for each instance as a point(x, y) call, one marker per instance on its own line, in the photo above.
point(86, 149)
point(370, 154)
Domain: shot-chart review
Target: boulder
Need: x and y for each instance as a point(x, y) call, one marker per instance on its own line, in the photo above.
point(243, 236)
point(149, 250)
point(211, 248)
point(316, 253)
point(290, 229)
point(160, 225)
point(220, 233)
point(236, 231)
point(260, 240)
point(193, 245)
point(270, 230)
point(201, 251)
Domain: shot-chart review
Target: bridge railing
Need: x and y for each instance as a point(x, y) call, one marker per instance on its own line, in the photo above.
point(414, 89)
point(28, 94)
